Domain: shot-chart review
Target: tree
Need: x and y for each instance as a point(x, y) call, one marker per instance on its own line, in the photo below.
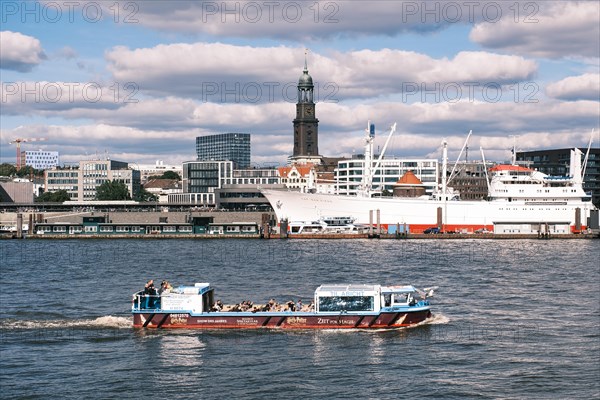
point(53, 197)
point(145, 196)
point(7, 169)
point(166, 175)
point(112, 190)
point(27, 171)
point(171, 175)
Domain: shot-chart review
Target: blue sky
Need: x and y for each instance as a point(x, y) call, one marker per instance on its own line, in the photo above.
point(143, 87)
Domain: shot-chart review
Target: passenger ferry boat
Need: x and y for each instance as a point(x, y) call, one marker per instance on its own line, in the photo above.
point(334, 307)
point(325, 225)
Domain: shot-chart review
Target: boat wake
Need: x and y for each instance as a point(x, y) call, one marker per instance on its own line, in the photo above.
point(437, 319)
point(106, 322)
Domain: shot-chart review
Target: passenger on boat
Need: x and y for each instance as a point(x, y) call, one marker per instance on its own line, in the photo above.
point(165, 287)
point(299, 305)
point(291, 306)
point(218, 306)
point(150, 294)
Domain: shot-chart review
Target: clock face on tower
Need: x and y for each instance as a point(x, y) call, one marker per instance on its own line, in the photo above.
point(309, 111)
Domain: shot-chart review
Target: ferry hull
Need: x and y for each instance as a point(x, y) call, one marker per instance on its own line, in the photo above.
point(298, 320)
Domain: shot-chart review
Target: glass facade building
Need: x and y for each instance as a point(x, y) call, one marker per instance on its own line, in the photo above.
point(225, 147)
point(349, 174)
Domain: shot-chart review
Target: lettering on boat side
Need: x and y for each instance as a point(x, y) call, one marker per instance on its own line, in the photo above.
point(346, 293)
point(331, 321)
point(317, 200)
point(295, 321)
point(211, 321)
point(247, 321)
point(179, 318)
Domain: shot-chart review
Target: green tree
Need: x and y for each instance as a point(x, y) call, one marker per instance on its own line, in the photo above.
point(27, 171)
point(171, 175)
point(7, 169)
point(145, 196)
point(53, 197)
point(112, 190)
point(166, 175)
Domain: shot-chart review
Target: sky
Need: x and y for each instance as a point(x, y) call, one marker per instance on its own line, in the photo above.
point(138, 81)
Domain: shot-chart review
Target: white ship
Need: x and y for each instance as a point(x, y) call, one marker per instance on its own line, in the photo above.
point(520, 200)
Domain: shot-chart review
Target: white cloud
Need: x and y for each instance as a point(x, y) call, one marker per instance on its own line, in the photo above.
point(550, 124)
point(553, 29)
point(297, 20)
point(215, 71)
point(582, 87)
point(19, 52)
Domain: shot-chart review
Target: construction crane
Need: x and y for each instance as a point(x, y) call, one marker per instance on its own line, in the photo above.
point(18, 142)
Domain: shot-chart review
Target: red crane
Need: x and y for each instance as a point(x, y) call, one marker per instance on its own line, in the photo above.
point(18, 141)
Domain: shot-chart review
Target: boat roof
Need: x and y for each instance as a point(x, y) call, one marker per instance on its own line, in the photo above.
point(398, 289)
point(347, 289)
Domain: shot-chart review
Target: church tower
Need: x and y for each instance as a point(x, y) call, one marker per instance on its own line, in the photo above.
point(306, 125)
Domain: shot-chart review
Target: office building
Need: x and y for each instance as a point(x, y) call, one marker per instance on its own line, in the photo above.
point(349, 174)
point(40, 159)
point(233, 147)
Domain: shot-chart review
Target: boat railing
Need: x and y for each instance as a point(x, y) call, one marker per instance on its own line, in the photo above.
point(143, 301)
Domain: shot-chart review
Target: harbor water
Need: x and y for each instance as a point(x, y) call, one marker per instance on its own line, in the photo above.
point(512, 319)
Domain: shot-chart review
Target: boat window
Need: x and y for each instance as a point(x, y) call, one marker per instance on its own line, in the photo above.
point(387, 300)
point(346, 303)
point(400, 298)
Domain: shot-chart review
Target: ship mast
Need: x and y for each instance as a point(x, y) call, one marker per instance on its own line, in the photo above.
point(587, 154)
point(487, 179)
point(444, 165)
point(369, 170)
point(513, 160)
point(365, 189)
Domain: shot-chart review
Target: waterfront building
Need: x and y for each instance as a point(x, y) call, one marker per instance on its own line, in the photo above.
point(41, 159)
point(470, 179)
point(233, 147)
point(200, 179)
point(349, 174)
point(300, 177)
point(82, 183)
point(63, 179)
point(556, 162)
point(203, 180)
point(93, 173)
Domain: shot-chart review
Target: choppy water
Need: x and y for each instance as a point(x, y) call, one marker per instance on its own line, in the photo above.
point(514, 319)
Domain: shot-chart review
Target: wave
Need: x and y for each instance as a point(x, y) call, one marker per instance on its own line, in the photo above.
point(437, 319)
point(105, 322)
